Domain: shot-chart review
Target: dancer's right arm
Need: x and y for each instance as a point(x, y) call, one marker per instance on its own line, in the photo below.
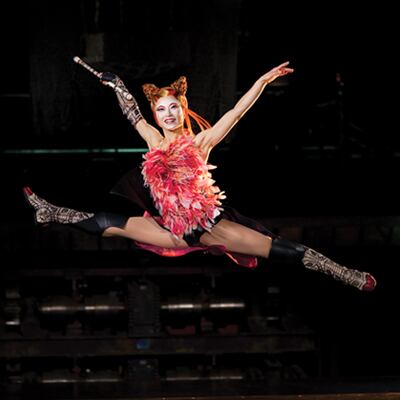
point(131, 110)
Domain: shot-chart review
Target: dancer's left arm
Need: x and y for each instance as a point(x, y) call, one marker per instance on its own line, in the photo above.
point(211, 137)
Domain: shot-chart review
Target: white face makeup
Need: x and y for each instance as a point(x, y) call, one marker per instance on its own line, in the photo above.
point(169, 113)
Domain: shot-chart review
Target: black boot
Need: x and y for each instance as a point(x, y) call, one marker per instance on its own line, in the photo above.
point(46, 213)
point(311, 259)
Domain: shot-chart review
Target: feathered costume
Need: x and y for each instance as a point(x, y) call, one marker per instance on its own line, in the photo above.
point(182, 187)
point(176, 188)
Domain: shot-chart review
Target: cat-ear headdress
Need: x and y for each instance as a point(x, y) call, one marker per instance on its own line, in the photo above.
point(177, 89)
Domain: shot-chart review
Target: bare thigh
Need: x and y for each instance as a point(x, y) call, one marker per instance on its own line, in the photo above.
point(146, 230)
point(238, 238)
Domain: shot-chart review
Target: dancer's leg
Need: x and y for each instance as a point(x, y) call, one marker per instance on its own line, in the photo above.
point(142, 229)
point(241, 239)
point(48, 213)
point(311, 259)
point(238, 238)
point(146, 230)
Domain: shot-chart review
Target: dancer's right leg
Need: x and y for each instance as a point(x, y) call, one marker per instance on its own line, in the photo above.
point(142, 229)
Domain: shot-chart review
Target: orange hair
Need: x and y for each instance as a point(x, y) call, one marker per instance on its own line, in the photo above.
point(177, 89)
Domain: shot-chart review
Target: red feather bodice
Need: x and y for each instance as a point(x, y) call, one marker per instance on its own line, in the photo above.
point(181, 186)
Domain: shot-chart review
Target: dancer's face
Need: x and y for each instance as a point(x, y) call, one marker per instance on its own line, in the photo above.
point(169, 113)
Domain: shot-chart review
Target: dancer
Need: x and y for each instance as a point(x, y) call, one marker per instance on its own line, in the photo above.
point(183, 209)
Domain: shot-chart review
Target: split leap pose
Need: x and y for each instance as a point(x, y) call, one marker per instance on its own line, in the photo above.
point(183, 209)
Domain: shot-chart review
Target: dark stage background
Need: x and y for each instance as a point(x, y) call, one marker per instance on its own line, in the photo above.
point(316, 158)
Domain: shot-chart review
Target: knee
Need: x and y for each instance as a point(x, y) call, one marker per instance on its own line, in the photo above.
point(206, 239)
point(106, 220)
point(102, 222)
point(285, 249)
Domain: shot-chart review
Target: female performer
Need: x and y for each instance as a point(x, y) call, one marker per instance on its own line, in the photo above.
point(183, 209)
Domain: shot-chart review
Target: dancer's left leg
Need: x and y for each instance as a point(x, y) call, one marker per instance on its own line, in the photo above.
point(311, 259)
point(238, 238)
point(241, 239)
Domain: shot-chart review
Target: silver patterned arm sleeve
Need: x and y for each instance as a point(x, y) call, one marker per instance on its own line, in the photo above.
point(129, 107)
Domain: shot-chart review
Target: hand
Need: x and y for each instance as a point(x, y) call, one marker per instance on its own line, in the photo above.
point(107, 77)
point(280, 70)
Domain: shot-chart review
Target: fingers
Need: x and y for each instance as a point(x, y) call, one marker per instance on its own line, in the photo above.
point(282, 69)
point(284, 64)
point(106, 83)
point(282, 72)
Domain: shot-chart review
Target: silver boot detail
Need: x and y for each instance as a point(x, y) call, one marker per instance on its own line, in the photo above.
point(318, 262)
point(46, 212)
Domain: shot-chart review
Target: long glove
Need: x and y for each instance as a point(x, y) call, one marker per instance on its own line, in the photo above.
point(130, 107)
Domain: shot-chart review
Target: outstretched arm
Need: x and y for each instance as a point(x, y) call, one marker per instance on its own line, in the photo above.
point(131, 110)
point(229, 119)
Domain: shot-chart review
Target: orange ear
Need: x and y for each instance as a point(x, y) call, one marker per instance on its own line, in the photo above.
point(180, 86)
point(150, 91)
